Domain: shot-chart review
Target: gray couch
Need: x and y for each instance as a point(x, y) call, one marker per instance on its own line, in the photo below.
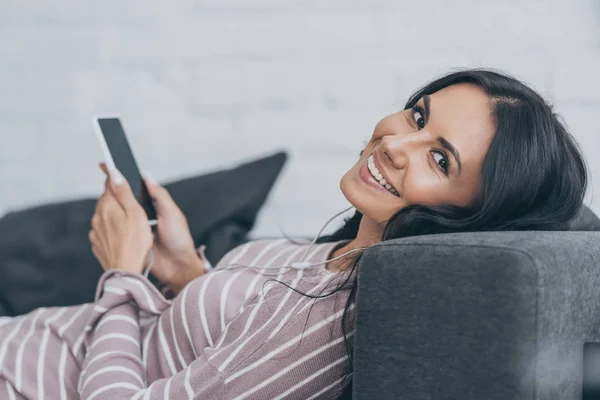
point(495, 315)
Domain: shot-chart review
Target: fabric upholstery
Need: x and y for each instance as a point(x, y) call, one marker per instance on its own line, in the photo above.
point(496, 315)
point(46, 258)
point(586, 220)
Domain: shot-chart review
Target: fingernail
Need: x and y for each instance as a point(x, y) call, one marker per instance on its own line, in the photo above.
point(148, 176)
point(116, 177)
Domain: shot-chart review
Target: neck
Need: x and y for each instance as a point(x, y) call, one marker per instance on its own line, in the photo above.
point(369, 233)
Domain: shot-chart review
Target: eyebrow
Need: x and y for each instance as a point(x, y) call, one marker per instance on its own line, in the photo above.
point(445, 144)
point(426, 100)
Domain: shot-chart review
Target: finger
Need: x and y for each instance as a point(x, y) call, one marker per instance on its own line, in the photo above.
point(115, 178)
point(107, 187)
point(107, 192)
point(95, 251)
point(111, 207)
point(103, 168)
point(93, 236)
point(164, 202)
point(103, 195)
point(122, 191)
point(100, 204)
point(95, 221)
point(97, 244)
point(94, 241)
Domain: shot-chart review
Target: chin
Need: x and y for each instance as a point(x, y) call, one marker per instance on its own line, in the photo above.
point(351, 194)
point(367, 203)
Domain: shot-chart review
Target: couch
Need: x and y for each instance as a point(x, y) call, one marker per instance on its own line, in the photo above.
point(495, 315)
point(45, 254)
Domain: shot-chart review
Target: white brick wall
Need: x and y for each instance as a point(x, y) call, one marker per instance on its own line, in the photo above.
point(210, 84)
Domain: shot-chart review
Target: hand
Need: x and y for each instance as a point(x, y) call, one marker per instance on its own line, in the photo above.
point(176, 262)
point(121, 236)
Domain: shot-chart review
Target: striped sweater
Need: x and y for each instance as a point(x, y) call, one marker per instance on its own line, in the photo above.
point(233, 333)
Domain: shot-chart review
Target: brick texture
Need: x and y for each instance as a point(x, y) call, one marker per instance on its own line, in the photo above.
point(210, 84)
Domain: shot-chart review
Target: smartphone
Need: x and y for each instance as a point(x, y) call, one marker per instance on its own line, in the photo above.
point(118, 154)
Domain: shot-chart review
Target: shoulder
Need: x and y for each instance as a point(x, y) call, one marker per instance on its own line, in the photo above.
point(300, 338)
point(255, 249)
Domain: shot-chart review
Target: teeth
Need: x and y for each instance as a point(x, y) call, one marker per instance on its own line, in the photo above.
point(375, 172)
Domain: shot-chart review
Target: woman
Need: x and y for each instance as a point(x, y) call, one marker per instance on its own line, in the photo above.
point(472, 151)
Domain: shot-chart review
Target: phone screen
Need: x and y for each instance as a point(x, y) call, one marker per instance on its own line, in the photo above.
point(124, 161)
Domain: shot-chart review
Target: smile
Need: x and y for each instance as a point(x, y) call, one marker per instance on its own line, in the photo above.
point(371, 175)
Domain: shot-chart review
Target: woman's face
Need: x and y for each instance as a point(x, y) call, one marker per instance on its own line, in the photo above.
point(431, 154)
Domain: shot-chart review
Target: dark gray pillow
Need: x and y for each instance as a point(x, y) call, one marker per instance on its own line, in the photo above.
point(586, 220)
point(45, 255)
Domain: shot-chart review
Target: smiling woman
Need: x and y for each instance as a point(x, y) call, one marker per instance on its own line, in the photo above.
point(475, 150)
point(472, 151)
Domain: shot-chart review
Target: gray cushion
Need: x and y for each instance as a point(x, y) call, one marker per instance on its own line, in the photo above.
point(4, 311)
point(46, 258)
point(586, 220)
point(497, 315)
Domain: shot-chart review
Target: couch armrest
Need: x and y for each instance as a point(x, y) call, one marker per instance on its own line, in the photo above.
point(495, 315)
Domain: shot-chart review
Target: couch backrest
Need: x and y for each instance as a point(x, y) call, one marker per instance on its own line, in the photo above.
point(586, 221)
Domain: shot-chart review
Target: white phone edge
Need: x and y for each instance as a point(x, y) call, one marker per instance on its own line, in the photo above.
point(110, 163)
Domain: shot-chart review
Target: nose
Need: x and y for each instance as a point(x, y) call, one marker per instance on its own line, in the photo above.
point(394, 149)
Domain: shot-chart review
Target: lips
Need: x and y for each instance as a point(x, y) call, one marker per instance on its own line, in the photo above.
point(378, 177)
point(381, 170)
point(367, 177)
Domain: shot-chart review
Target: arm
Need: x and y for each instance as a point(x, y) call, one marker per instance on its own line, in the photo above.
point(113, 365)
point(176, 261)
point(188, 270)
point(114, 361)
point(255, 357)
point(121, 238)
point(193, 268)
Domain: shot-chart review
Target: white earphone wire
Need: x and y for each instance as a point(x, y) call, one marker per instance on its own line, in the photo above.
point(319, 234)
point(303, 264)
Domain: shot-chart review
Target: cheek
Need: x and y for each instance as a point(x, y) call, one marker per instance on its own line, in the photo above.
point(390, 125)
point(423, 188)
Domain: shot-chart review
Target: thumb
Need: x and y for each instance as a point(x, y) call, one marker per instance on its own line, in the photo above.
point(122, 190)
point(164, 202)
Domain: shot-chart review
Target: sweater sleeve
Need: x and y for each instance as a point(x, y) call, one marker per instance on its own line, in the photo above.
point(113, 367)
point(256, 356)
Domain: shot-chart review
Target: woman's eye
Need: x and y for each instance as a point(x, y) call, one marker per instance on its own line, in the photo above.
point(444, 161)
point(418, 117)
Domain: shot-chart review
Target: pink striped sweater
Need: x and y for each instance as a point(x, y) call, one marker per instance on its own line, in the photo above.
point(233, 333)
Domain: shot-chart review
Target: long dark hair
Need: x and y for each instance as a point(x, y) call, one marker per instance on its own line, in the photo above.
point(533, 178)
